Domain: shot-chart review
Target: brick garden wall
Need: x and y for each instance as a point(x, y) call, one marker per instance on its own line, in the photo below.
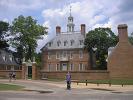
point(5, 74)
point(84, 75)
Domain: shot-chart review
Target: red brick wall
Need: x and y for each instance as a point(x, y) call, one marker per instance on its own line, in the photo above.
point(5, 73)
point(76, 60)
point(78, 75)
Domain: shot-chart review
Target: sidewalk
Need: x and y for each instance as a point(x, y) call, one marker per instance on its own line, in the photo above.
point(50, 85)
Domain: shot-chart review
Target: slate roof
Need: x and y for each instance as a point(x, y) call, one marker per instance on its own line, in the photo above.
point(7, 55)
point(68, 37)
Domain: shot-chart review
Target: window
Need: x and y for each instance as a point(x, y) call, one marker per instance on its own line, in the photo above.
point(58, 43)
point(57, 55)
point(80, 54)
point(72, 42)
point(4, 57)
point(71, 67)
point(81, 67)
point(12, 68)
point(49, 67)
point(64, 54)
point(8, 67)
point(50, 44)
point(65, 43)
point(11, 58)
point(3, 67)
point(16, 67)
point(71, 55)
point(49, 55)
point(81, 42)
point(57, 67)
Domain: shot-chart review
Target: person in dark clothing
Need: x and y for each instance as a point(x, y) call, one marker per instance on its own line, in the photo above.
point(68, 80)
point(10, 76)
point(14, 75)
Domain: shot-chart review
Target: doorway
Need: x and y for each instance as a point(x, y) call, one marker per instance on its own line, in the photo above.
point(29, 72)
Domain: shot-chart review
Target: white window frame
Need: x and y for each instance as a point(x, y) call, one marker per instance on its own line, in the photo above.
point(49, 55)
point(11, 58)
point(81, 66)
point(49, 67)
point(71, 55)
point(80, 54)
point(57, 55)
point(71, 66)
point(64, 54)
point(57, 67)
point(58, 43)
point(4, 57)
point(81, 42)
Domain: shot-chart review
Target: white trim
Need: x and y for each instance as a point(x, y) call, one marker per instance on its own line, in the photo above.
point(49, 55)
point(57, 67)
point(80, 54)
point(49, 67)
point(57, 55)
point(71, 54)
point(71, 67)
point(81, 67)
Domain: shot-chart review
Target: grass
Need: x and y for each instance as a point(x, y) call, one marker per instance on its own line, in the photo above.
point(5, 87)
point(114, 82)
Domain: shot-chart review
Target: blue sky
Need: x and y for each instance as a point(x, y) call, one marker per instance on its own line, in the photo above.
point(50, 13)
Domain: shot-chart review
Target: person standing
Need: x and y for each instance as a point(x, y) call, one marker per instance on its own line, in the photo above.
point(14, 75)
point(10, 76)
point(68, 80)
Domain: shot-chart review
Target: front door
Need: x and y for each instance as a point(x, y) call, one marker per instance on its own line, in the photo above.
point(29, 72)
point(64, 66)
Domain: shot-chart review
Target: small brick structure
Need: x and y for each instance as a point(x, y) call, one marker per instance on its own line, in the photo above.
point(26, 66)
point(120, 61)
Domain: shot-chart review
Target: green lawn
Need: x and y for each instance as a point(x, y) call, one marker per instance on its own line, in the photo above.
point(10, 87)
point(115, 82)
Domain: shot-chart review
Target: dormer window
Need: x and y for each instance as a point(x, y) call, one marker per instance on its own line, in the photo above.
point(4, 57)
point(72, 42)
point(81, 42)
point(58, 43)
point(65, 43)
point(11, 58)
point(50, 44)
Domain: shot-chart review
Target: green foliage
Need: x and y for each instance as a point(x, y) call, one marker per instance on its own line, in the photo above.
point(38, 59)
point(26, 32)
point(102, 39)
point(4, 27)
point(130, 40)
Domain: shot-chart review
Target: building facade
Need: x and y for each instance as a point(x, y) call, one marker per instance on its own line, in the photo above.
point(65, 52)
point(9, 63)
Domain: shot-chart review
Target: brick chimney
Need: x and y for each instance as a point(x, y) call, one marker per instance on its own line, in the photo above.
point(123, 34)
point(83, 30)
point(120, 61)
point(58, 30)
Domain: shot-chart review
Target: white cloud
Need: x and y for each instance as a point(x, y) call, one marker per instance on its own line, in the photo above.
point(24, 4)
point(93, 13)
point(5, 20)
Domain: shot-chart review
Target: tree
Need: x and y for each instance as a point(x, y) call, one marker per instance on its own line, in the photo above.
point(25, 32)
point(102, 39)
point(4, 27)
point(130, 39)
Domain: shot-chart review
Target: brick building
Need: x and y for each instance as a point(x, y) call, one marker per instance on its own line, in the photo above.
point(65, 52)
point(9, 63)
